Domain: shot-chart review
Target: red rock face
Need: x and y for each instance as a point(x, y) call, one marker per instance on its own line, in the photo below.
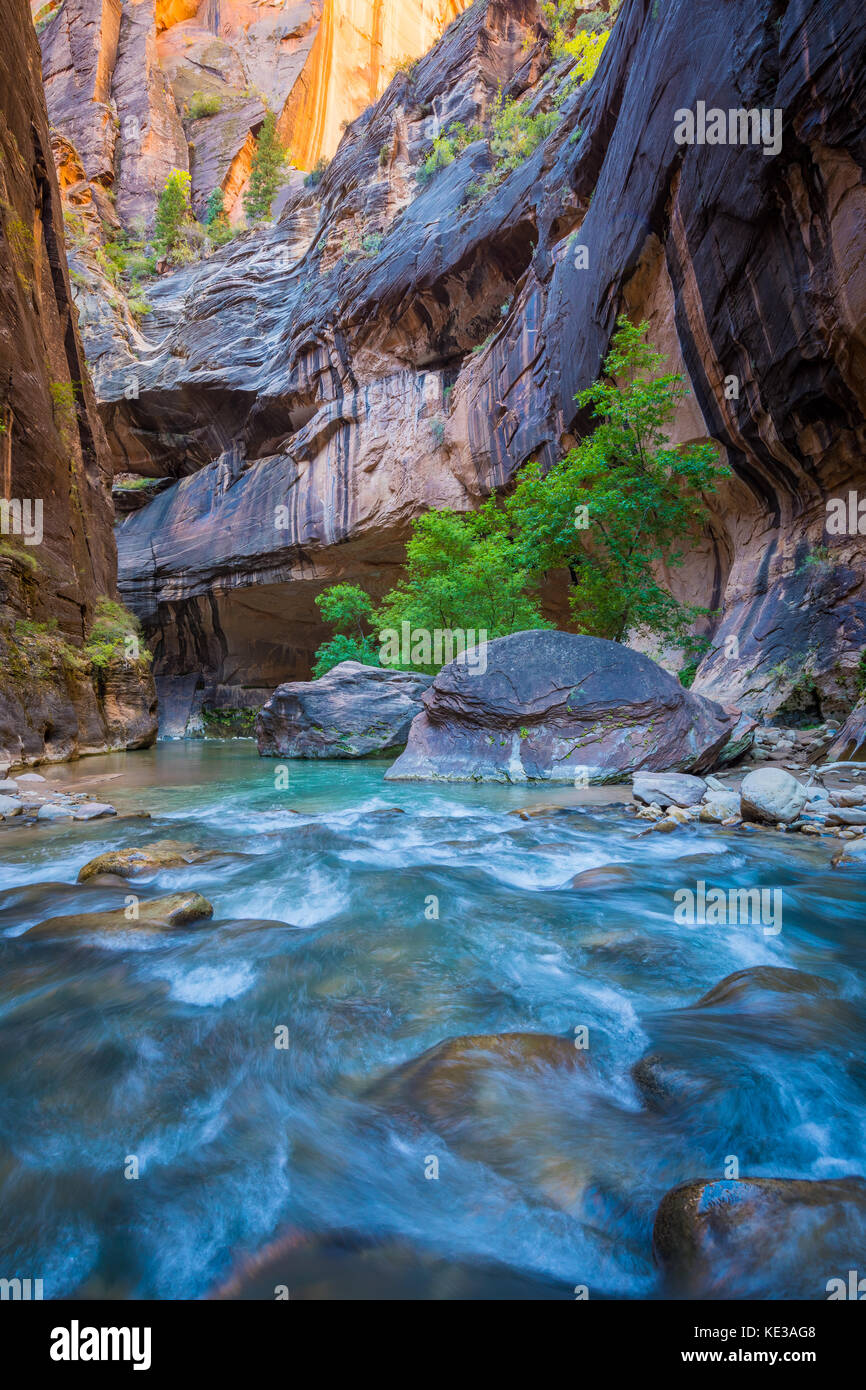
point(53, 455)
point(386, 348)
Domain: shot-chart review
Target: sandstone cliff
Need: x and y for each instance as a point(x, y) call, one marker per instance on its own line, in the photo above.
point(139, 87)
point(388, 347)
point(57, 552)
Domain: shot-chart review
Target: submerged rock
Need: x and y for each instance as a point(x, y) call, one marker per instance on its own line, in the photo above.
point(129, 863)
point(175, 910)
point(778, 978)
point(770, 795)
point(552, 706)
point(451, 1082)
point(352, 711)
point(760, 1237)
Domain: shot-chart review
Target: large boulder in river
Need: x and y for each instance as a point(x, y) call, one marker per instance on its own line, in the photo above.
point(760, 1237)
point(551, 706)
point(772, 795)
point(351, 712)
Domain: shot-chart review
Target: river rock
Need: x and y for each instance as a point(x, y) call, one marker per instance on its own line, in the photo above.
point(552, 706)
point(719, 807)
point(94, 810)
point(779, 979)
point(130, 863)
point(8, 787)
point(847, 815)
point(10, 806)
point(29, 779)
point(760, 1237)
point(841, 796)
point(770, 795)
point(668, 788)
point(53, 810)
point(852, 855)
point(175, 910)
point(352, 711)
point(450, 1082)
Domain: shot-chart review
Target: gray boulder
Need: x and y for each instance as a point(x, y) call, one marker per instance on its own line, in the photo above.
point(668, 788)
point(720, 806)
point(555, 707)
point(771, 795)
point(10, 806)
point(352, 711)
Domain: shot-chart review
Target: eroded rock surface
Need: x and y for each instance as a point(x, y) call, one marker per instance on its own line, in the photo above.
point(352, 711)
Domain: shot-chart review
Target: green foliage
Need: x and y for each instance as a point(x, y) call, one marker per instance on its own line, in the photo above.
point(317, 173)
point(266, 173)
point(640, 497)
point(860, 673)
point(173, 212)
point(216, 218)
point(462, 571)
point(112, 628)
point(138, 306)
point(342, 647)
point(515, 134)
point(371, 244)
point(350, 611)
point(204, 104)
point(36, 651)
point(63, 400)
point(16, 552)
point(445, 149)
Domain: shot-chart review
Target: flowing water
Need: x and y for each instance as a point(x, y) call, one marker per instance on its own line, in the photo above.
point(163, 1046)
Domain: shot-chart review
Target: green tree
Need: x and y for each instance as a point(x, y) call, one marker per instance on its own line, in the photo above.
point(269, 160)
point(216, 218)
point(622, 502)
point(462, 571)
point(349, 610)
point(173, 211)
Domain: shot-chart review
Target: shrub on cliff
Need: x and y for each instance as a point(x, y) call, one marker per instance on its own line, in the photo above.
point(266, 171)
point(622, 502)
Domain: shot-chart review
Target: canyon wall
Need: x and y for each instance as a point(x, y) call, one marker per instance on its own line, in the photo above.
point(141, 87)
point(388, 347)
point(57, 551)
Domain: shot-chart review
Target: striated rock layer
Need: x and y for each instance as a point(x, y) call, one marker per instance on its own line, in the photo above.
point(387, 347)
point(54, 463)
